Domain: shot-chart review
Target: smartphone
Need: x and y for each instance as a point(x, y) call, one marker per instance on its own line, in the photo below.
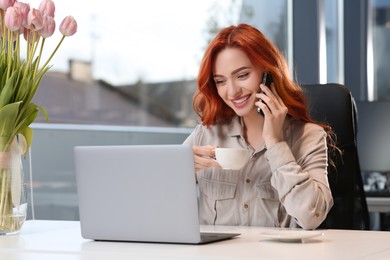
point(265, 80)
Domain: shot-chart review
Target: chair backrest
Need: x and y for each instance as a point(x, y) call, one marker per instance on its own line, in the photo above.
point(334, 105)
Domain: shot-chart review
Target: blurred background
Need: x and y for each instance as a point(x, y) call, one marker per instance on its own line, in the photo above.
point(128, 75)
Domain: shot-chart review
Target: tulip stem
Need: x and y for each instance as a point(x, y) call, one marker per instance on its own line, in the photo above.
point(39, 56)
point(51, 56)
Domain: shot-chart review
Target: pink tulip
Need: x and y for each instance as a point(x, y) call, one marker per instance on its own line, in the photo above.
point(49, 26)
point(68, 26)
point(4, 4)
point(47, 7)
point(34, 20)
point(24, 9)
point(13, 19)
point(30, 35)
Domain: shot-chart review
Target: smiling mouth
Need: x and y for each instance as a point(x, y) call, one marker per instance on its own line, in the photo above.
point(241, 100)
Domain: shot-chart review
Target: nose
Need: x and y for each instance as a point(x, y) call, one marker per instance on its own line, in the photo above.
point(233, 89)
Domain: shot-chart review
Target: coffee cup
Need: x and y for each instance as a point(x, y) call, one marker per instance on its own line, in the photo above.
point(231, 158)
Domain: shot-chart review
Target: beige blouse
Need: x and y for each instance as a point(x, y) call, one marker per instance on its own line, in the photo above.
point(284, 186)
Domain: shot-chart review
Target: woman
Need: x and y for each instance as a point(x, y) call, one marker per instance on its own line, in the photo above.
point(284, 184)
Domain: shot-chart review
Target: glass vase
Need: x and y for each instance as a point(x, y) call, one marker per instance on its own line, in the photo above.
point(13, 203)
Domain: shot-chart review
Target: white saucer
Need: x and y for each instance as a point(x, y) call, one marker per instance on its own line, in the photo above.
point(291, 235)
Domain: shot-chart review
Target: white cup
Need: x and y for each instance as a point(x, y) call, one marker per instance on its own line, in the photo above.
point(231, 158)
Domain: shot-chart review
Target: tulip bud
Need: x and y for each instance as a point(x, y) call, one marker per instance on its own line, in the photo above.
point(49, 25)
point(4, 4)
point(68, 26)
point(24, 10)
point(47, 7)
point(34, 20)
point(13, 19)
point(30, 35)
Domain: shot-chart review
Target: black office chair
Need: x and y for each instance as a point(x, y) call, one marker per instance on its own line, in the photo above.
point(334, 105)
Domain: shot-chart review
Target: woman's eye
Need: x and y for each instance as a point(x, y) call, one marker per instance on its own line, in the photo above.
point(243, 76)
point(219, 81)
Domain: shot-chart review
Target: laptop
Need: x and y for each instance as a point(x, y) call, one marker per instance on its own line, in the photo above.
point(139, 193)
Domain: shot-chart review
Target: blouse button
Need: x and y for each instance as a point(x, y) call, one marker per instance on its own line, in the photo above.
point(248, 180)
point(246, 206)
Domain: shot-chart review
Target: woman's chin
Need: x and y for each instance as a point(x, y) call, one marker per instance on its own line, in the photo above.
point(244, 111)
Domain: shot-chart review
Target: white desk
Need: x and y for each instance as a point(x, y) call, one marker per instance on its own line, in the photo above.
point(62, 240)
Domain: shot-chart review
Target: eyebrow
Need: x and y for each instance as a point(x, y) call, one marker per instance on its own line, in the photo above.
point(234, 71)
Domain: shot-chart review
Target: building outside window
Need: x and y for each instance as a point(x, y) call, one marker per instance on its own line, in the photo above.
point(136, 66)
point(144, 73)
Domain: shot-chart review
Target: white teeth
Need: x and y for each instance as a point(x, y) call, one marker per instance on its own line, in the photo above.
point(238, 101)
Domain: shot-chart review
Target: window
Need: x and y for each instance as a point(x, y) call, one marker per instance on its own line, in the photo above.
point(130, 63)
point(334, 40)
point(274, 24)
point(380, 33)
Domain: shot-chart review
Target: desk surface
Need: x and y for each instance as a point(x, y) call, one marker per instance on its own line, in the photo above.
point(62, 240)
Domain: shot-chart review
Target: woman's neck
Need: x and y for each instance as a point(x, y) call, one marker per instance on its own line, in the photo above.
point(253, 129)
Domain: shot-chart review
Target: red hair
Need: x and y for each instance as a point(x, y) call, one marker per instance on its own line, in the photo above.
point(263, 54)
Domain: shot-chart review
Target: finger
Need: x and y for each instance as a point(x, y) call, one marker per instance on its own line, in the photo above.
point(206, 151)
point(273, 100)
point(203, 162)
point(267, 90)
point(276, 94)
point(282, 107)
point(270, 103)
point(212, 165)
point(266, 111)
point(259, 103)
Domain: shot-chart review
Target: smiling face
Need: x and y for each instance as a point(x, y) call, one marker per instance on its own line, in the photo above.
point(237, 80)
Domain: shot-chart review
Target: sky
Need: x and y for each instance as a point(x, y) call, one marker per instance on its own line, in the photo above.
point(128, 40)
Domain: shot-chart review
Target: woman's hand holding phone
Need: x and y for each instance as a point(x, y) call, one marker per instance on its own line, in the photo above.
point(274, 112)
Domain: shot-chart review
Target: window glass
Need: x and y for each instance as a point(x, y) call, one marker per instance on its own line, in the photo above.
point(334, 40)
point(381, 48)
point(276, 26)
point(270, 17)
point(131, 62)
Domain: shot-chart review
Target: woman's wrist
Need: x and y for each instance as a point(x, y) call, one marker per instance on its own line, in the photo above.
point(272, 141)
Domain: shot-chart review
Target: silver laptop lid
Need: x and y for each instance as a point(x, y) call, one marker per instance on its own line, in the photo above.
point(137, 193)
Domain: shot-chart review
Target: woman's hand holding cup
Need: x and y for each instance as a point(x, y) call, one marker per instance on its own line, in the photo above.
point(204, 157)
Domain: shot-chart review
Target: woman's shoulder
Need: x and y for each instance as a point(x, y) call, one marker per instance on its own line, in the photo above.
point(222, 126)
point(211, 134)
point(301, 127)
